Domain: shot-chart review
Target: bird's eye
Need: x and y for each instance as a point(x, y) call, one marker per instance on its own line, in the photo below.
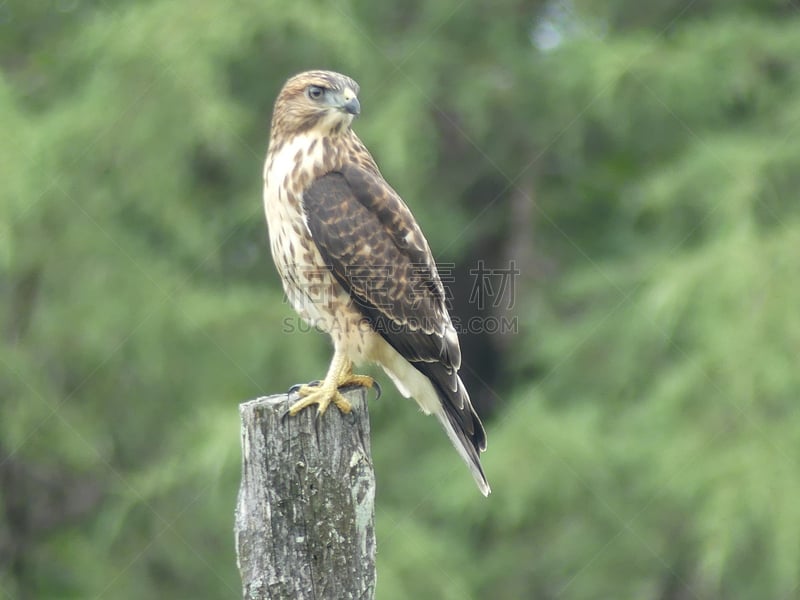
point(315, 92)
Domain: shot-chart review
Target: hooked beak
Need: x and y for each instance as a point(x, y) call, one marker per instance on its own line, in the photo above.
point(352, 106)
point(350, 103)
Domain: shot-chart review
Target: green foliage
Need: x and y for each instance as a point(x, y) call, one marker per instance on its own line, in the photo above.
point(645, 442)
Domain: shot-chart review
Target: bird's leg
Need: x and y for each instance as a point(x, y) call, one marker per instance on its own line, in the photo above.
point(327, 391)
point(340, 375)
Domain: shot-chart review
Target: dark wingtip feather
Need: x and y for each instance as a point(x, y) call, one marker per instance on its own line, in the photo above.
point(464, 428)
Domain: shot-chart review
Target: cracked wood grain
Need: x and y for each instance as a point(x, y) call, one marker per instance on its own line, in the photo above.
point(305, 518)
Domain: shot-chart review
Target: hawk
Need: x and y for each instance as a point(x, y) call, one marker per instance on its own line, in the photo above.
point(354, 263)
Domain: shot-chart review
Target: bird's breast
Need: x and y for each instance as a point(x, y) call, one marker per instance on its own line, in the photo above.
point(289, 168)
point(308, 283)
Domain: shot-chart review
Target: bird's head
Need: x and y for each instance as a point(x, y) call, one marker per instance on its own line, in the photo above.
point(321, 100)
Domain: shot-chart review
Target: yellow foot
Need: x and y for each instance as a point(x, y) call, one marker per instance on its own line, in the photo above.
point(322, 397)
point(357, 381)
point(364, 381)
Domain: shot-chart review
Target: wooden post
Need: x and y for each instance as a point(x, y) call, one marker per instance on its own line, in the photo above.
point(305, 518)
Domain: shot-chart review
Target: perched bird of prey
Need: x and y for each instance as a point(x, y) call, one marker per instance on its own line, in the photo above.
point(354, 262)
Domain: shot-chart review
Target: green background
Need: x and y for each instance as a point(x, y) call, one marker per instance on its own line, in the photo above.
point(638, 162)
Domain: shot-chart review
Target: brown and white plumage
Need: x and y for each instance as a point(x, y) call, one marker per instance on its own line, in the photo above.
point(354, 262)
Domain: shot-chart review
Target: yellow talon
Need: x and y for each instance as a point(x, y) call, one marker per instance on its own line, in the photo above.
point(340, 375)
point(357, 381)
point(320, 396)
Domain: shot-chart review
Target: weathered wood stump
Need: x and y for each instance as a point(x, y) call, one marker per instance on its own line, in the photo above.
point(305, 518)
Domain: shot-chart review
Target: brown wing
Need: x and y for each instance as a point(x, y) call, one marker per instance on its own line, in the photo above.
point(375, 249)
